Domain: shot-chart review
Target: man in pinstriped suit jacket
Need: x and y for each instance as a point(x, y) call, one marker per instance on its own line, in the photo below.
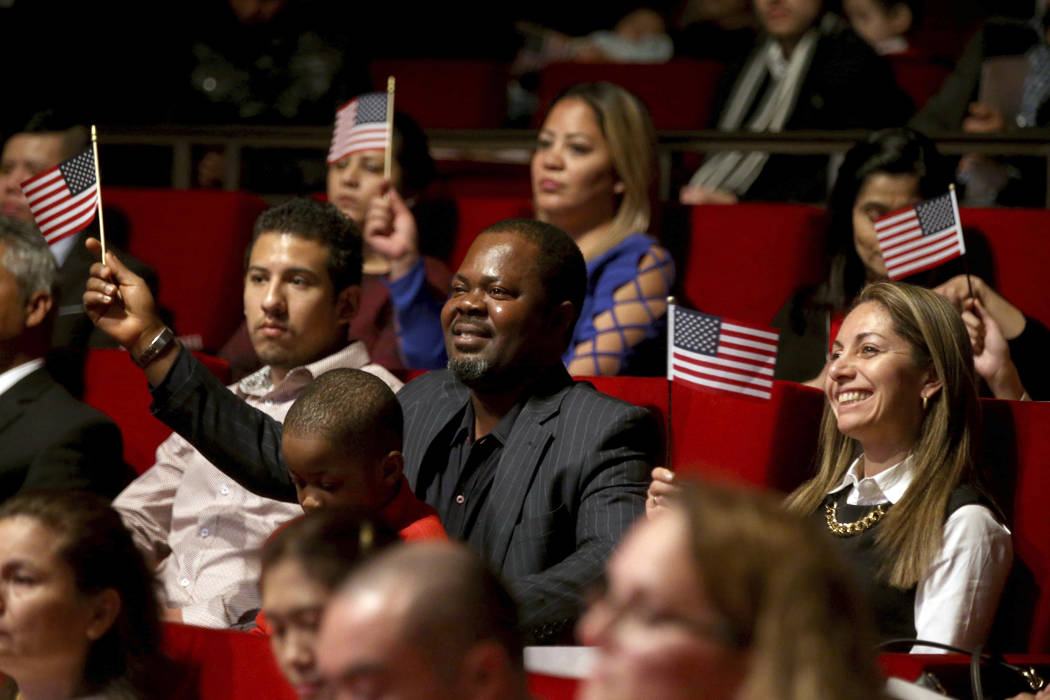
point(539, 474)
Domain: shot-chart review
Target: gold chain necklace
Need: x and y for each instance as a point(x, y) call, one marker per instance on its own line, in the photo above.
point(857, 526)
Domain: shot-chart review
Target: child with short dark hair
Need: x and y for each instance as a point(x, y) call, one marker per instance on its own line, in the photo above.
point(342, 442)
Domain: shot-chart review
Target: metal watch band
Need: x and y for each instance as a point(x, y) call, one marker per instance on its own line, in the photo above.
point(158, 345)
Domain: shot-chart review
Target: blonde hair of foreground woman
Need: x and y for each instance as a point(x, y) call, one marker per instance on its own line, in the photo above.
point(782, 610)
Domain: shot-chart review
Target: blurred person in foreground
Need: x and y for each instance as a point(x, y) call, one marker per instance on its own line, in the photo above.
point(727, 596)
point(78, 616)
point(423, 621)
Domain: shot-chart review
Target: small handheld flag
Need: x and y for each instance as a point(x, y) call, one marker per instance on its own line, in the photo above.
point(63, 199)
point(920, 237)
point(360, 124)
point(720, 354)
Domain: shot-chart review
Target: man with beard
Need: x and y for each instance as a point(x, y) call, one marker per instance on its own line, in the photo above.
point(538, 474)
point(301, 288)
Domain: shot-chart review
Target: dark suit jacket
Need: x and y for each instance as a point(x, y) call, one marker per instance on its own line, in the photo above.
point(571, 480)
point(572, 477)
point(48, 439)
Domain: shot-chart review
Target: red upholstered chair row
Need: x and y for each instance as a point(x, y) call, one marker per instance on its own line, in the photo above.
point(115, 386)
point(679, 93)
point(196, 241)
point(226, 664)
point(745, 260)
point(447, 93)
point(918, 77)
point(476, 213)
point(1020, 243)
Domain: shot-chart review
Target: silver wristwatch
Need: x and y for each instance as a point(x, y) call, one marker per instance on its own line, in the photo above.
point(158, 345)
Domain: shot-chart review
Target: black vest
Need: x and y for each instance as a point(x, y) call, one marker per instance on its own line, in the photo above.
point(893, 608)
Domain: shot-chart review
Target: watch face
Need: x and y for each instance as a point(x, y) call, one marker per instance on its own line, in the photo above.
point(163, 339)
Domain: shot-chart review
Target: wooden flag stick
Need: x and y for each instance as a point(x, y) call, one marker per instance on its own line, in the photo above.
point(668, 456)
point(389, 127)
point(98, 192)
point(958, 219)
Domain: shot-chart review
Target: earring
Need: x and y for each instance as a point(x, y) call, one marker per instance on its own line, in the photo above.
point(925, 400)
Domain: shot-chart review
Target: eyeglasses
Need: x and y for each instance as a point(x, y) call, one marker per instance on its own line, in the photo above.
point(640, 615)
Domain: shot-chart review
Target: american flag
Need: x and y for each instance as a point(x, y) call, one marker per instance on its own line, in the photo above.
point(920, 237)
point(360, 124)
point(721, 354)
point(63, 198)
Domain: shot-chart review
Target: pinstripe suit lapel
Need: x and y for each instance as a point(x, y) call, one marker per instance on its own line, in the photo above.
point(449, 400)
point(526, 447)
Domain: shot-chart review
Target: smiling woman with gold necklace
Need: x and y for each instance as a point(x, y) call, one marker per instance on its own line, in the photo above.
point(897, 488)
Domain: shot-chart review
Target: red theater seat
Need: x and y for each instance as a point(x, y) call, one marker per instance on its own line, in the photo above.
point(227, 664)
point(770, 444)
point(196, 241)
point(1020, 244)
point(445, 93)
point(477, 213)
point(115, 386)
point(745, 260)
point(678, 93)
point(918, 77)
point(1016, 458)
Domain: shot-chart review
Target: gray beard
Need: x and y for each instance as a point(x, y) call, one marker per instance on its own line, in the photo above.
point(468, 369)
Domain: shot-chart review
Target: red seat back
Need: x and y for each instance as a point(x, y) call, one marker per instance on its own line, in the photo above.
point(1016, 458)
point(475, 214)
point(770, 444)
point(228, 664)
point(446, 93)
point(115, 386)
point(745, 260)
point(679, 93)
point(919, 78)
point(196, 242)
point(1020, 244)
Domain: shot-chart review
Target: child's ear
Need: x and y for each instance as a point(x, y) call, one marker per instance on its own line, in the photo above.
point(390, 468)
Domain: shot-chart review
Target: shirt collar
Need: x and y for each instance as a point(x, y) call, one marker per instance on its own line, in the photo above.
point(260, 384)
point(501, 432)
point(17, 373)
point(889, 483)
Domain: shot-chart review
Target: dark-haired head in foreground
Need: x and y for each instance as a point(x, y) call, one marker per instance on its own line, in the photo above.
point(79, 613)
point(302, 563)
point(423, 621)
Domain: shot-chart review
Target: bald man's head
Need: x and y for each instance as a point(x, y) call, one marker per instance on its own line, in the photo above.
point(427, 620)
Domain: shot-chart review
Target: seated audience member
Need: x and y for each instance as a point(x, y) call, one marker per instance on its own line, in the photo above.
point(403, 287)
point(591, 171)
point(303, 563)
point(541, 475)
point(893, 169)
point(342, 441)
point(718, 30)
point(897, 488)
point(999, 83)
point(884, 24)
point(726, 596)
point(48, 439)
point(808, 71)
point(301, 286)
point(80, 619)
point(423, 621)
point(44, 143)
